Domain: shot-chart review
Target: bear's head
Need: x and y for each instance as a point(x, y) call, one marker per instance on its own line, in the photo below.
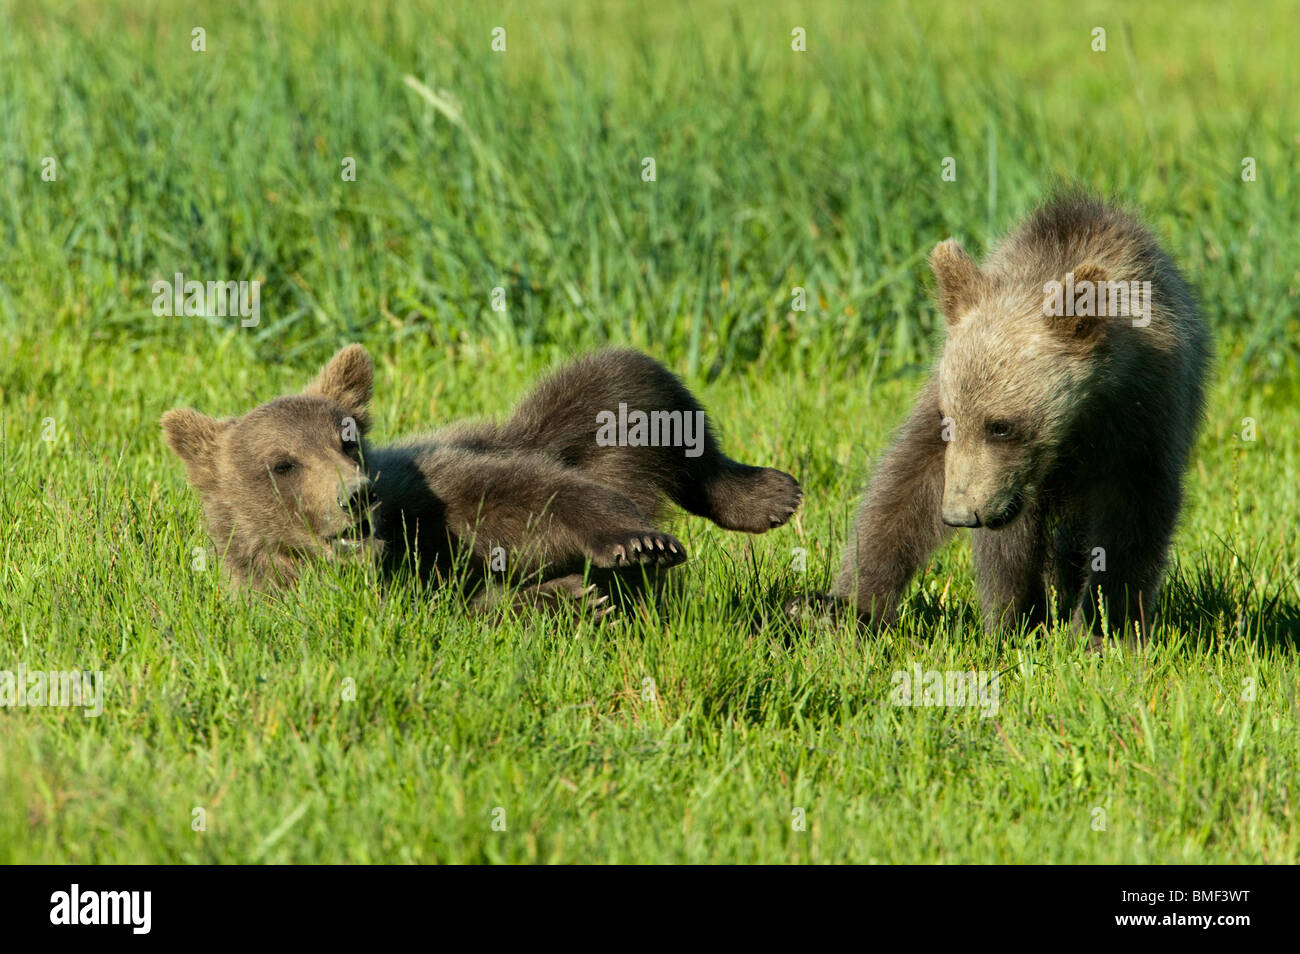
point(286, 479)
point(1012, 380)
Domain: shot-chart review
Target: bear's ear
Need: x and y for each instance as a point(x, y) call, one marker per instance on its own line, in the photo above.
point(1081, 321)
point(348, 380)
point(960, 281)
point(193, 436)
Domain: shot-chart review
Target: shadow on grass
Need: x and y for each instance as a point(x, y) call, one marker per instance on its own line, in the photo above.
point(1231, 598)
point(1221, 595)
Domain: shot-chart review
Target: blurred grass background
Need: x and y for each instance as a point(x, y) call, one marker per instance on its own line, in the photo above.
point(775, 168)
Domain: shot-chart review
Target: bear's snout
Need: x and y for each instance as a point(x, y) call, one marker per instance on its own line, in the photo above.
point(355, 500)
point(958, 506)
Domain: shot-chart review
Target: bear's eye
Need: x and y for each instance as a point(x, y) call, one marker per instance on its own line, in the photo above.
point(352, 449)
point(1000, 430)
point(284, 467)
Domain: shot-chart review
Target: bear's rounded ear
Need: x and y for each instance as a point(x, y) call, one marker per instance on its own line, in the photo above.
point(347, 380)
point(193, 436)
point(959, 281)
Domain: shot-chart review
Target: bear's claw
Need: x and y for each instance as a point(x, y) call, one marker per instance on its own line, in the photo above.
point(641, 547)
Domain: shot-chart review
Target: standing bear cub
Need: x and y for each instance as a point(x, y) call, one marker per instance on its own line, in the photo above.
point(1057, 424)
point(577, 475)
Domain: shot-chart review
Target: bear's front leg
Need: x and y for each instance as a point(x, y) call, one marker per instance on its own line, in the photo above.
point(1125, 548)
point(538, 515)
point(899, 523)
point(1009, 565)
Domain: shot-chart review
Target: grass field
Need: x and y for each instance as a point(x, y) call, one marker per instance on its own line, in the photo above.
point(705, 728)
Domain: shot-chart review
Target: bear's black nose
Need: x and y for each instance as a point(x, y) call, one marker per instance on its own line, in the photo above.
point(955, 517)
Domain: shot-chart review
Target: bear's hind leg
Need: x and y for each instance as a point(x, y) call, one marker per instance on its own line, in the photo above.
point(570, 594)
point(586, 417)
point(737, 496)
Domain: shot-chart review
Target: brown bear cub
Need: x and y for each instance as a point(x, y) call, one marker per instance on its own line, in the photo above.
point(1057, 424)
point(576, 476)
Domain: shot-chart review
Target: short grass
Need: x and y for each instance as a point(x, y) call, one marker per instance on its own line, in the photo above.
point(704, 728)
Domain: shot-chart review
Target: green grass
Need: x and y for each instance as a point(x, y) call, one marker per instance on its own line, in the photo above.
point(775, 169)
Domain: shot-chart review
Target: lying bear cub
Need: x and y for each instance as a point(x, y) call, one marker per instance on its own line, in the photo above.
point(576, 476)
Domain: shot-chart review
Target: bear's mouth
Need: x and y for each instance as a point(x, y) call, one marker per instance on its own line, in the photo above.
point(343, 542)
point(354, 539)
point(1008, 513)
point(350, 543)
